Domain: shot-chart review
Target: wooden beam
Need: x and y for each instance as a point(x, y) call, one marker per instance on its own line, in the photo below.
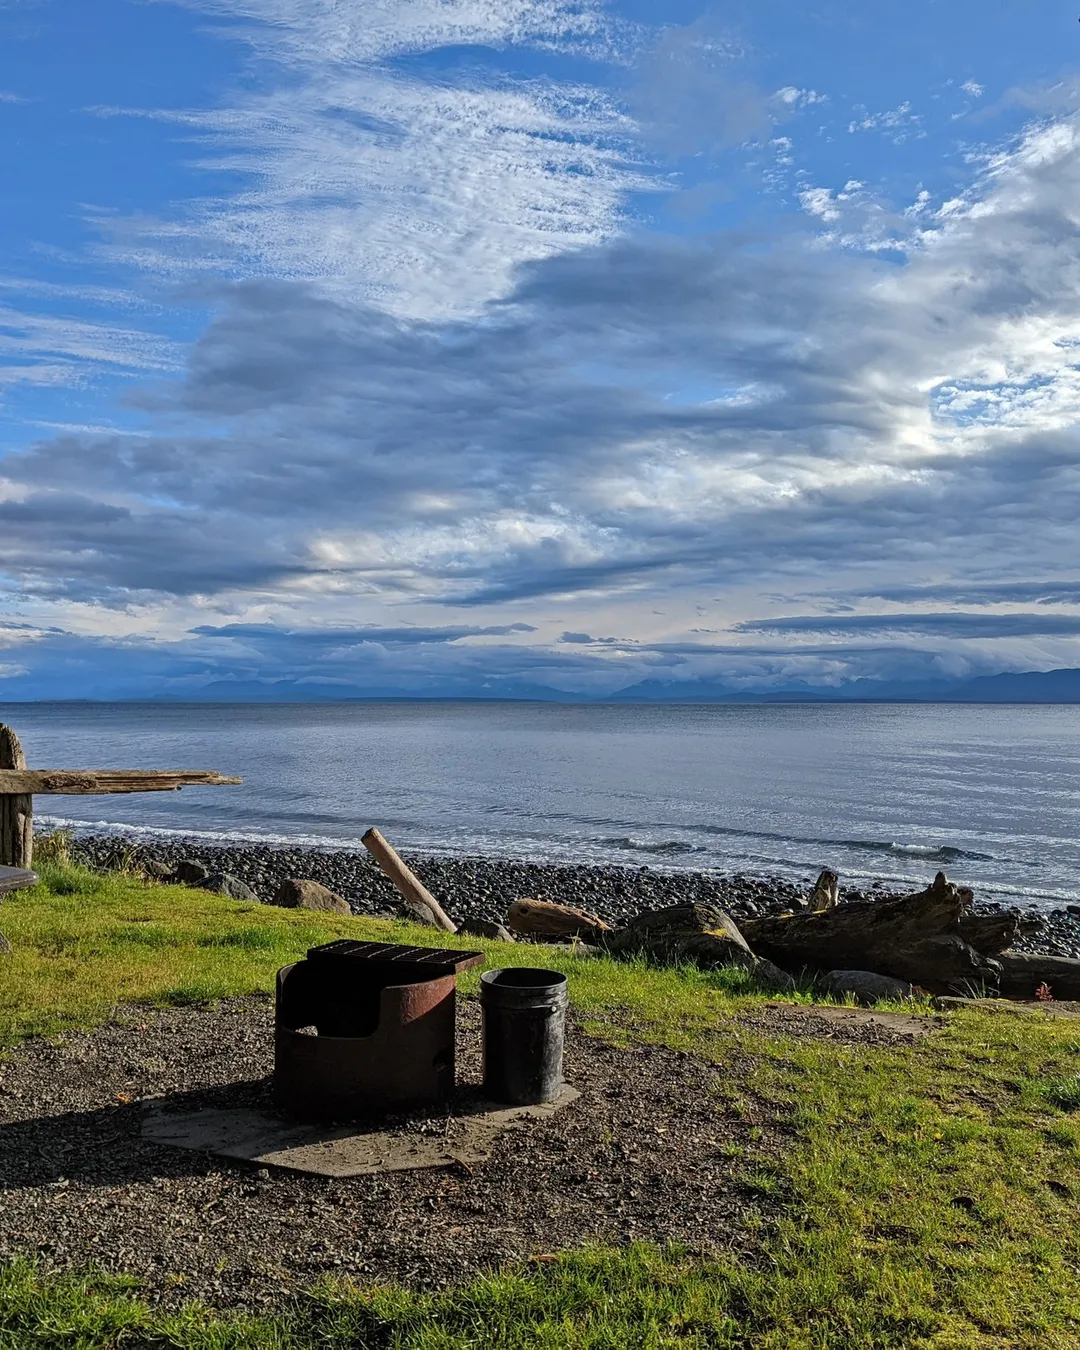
point(84, 782)
point(16, 807)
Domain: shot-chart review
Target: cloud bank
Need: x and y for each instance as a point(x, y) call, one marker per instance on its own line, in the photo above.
point(452, 411)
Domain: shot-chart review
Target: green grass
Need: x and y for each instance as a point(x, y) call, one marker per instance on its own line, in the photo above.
point(930, 1191)
point(84, 941)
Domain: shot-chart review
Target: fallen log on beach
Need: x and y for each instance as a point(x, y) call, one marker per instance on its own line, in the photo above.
point(693, 934)
point(416, 900)
point(544, 918)
point(1022, 973)
point(990, 933)
point(913, 937)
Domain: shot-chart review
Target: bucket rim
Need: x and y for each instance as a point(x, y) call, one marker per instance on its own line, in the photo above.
point(547, 979)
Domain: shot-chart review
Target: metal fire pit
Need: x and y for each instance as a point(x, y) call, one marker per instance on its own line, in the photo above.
point(365, 1029)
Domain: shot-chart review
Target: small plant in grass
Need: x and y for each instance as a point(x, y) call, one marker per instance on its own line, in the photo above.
point(1063, 1093)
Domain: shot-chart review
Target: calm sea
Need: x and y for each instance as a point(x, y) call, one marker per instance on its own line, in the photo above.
point(990, 793)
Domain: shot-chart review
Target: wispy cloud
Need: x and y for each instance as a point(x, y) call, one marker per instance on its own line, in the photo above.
point(956, 625)
point(380, 179)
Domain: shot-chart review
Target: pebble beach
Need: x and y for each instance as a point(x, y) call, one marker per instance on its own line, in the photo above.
point(483, 888)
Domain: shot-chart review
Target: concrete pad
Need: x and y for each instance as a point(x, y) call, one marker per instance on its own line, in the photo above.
point(345, 1150)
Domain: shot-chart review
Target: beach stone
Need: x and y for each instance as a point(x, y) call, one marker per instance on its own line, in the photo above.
point(160, 871)
point(298, 893)
point(866, 987)
point(221, 883)
point(189, 872)
point(486, 928)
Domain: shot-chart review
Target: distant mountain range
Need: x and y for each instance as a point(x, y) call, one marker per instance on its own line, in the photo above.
point(1033, 686)
point(1051, 686)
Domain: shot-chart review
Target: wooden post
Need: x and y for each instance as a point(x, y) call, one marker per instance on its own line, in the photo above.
point(420, 904)
point(16, 809)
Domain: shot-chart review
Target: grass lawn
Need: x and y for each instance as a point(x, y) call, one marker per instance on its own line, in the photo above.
point(931, 1190)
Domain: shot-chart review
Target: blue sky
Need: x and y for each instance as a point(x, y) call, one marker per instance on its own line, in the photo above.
point(494, 347)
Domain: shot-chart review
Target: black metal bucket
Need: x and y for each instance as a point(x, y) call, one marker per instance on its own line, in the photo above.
point(524, 1031)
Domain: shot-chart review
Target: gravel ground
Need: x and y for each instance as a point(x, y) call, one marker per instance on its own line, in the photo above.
point(483, 888)
point(644, 1153)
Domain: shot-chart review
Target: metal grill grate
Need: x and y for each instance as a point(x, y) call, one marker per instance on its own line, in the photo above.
point(432, 958)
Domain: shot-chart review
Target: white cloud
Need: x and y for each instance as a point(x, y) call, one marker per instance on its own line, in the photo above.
point(420, 192)
point(820, 202)
point(792, 97)
point(57, 351)
point(973, 88)
point(898, 124)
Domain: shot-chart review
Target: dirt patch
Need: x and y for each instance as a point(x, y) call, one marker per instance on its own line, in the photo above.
point(646, 1153)
point(852, 1026)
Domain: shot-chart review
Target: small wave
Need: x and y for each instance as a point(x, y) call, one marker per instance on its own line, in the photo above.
point(933, 852)
point(181, 832)
point(644, 846)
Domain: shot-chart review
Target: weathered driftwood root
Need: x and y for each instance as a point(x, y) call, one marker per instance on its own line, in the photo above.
point(826, 892)
point(544, 918)
point(697, 934)
point(990, 933)
point(1022, 973)
point(914, 938)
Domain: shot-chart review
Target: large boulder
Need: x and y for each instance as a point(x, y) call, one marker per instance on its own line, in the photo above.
point(866, 987)
point(189, 872)
point(700, 935)
point(224, 883)
point(300, 893)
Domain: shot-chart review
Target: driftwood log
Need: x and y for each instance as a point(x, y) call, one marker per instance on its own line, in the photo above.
point(1024, 972)
point(416, 900)
point(544, 918)
point(695, 934)
point(914, 937)
point(991, 933)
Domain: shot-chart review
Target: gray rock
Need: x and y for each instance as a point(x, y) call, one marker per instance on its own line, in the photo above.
point(298, 893)
point(486, 928)
point(701, 935)
point(160, 871)
point(866, 987)
point(221, 883)
point(190, 873)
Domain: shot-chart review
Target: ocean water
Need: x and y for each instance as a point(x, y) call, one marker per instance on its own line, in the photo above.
point(892, 792)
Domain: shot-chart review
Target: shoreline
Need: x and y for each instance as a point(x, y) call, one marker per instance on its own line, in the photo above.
point(483, 888)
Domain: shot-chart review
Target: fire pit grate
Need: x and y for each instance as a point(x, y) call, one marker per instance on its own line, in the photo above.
point(350, 949)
